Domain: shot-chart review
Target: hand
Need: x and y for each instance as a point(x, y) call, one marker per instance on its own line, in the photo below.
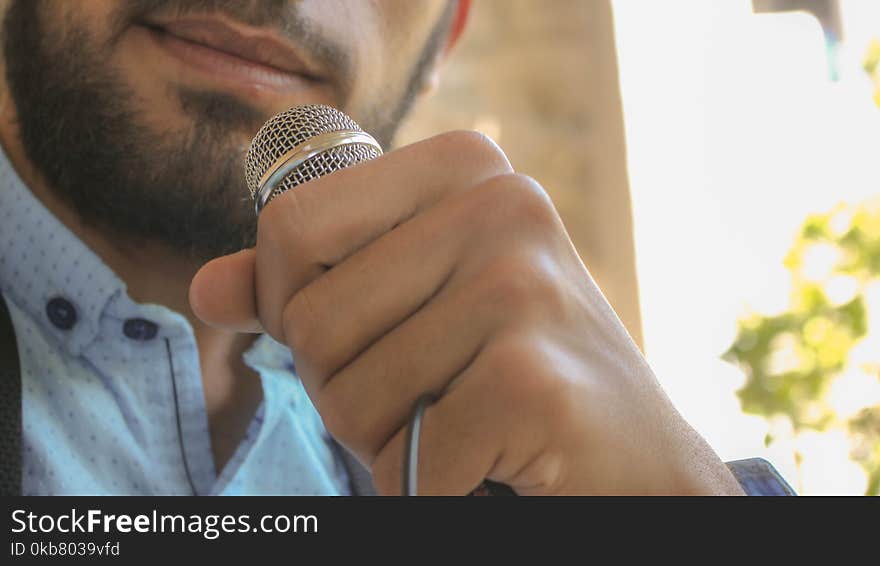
point(436, 268)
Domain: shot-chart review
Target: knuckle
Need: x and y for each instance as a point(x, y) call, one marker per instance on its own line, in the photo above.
point(547, 474)
point(522, 282)
point(526, 367)
point(282, 213)
point(504, 282)
point(473, 145)
point(509, 358)
point(283, 227)
point(300, 323)
point(527, 200)
point(523, 377)
point(512, 202)
point(346, 420)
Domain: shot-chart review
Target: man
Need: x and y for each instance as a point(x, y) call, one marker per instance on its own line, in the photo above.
point(147, 368)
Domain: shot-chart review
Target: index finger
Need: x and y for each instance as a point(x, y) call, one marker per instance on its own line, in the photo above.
point(317, 225)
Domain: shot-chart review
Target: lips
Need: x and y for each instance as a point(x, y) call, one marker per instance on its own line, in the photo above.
point(233, 51)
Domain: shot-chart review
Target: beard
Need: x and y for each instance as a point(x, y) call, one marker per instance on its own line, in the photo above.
point(183, 190)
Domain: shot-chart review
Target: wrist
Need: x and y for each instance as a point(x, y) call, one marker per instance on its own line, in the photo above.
point(702, 472)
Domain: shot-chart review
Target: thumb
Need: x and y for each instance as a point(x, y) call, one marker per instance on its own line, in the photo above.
point(223, 293)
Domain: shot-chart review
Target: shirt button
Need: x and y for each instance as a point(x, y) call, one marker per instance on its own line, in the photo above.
point(61, 313)
point(140, 329)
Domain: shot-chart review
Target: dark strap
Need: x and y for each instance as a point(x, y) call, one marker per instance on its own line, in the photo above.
point(10, 407)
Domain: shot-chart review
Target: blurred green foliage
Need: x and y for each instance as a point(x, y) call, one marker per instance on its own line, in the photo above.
point(872, 65)
point(791, 359)
point(865, 428)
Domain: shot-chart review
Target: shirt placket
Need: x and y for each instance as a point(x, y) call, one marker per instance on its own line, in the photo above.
point(190, 414)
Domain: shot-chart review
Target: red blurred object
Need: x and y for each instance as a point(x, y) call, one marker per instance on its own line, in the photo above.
point(458, 22)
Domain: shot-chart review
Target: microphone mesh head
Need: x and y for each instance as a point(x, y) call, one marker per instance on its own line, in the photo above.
point(293, 127)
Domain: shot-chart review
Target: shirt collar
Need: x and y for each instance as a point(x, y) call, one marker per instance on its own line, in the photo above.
point(42, 260)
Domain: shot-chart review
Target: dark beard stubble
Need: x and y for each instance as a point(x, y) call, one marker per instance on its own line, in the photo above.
point(79, 130)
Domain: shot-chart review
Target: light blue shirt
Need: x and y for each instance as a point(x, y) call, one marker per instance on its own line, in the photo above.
point(112, 399)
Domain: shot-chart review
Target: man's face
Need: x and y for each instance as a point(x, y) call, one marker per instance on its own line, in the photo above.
point(138, 112)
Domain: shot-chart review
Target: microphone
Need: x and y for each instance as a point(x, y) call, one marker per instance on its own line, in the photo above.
point(301, 144)
point(304, 143)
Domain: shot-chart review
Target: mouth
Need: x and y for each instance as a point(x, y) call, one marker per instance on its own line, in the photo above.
point(222, 50)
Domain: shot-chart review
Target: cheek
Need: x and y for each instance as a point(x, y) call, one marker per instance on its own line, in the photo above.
point(383, 38)
point(384, 64)
point(110, 49)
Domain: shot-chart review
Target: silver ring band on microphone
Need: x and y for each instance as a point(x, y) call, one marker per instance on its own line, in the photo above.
point(302, 153)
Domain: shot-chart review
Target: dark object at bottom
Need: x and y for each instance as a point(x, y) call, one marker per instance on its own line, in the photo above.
point(492, 488)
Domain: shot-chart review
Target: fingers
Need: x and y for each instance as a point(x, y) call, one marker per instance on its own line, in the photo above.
point(405, 315)
point(369, 399)
point(459, 456)
point(307, 230)
point(487, 427)
point(222, 293)
point(304, 231)
point(395, 278)
point(338, 315)
point(352, 207)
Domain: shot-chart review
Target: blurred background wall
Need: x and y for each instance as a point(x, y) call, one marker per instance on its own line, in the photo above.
point(541, 79)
